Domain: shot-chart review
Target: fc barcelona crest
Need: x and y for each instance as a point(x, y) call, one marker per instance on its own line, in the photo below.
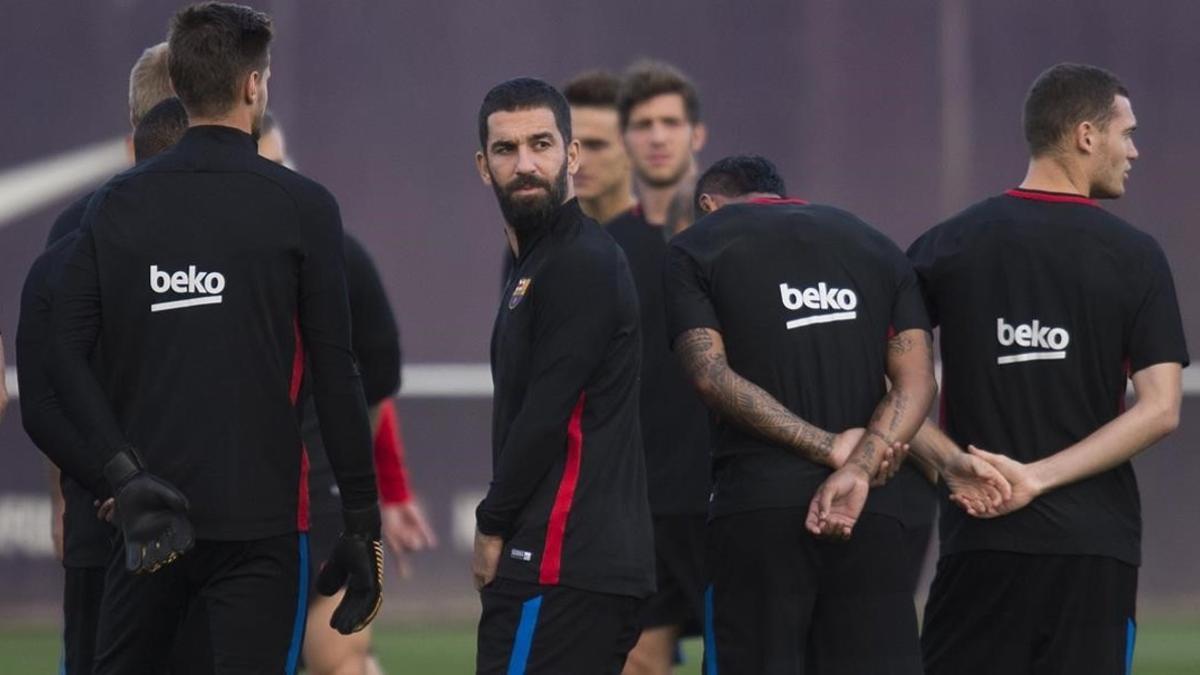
point(519, 292)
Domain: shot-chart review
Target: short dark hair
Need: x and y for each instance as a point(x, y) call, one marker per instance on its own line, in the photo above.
point(211, 46)
point(593, 89)
point(524, 93)
point(1065, 96)
point(646, 79)
point(161, 127)
point(739, 175)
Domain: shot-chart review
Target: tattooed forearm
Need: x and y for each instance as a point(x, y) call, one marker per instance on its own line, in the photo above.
point(902, 410)
point(744, 403)
point(900, 344)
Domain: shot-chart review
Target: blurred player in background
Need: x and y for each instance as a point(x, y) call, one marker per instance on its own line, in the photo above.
point(149, 83)
point(1048, 305)
point(201, 373)
point(604, 182)
point(779, 311)
point(660, 111)
point(376, 343)
point(563, 546)
point(81, 542)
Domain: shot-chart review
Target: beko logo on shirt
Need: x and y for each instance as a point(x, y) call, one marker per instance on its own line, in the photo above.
point(1049, 343)
point(208, 285)
point(822, 297)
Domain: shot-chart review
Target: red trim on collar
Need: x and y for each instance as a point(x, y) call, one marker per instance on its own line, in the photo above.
point(777, 200)
point(1057, 197)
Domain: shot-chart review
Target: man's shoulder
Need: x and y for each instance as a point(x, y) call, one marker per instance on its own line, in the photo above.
point(69, 220)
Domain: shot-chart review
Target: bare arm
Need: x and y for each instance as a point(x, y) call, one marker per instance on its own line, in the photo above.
point(741, 402)
point(903, 409)
point(1159, 391)
point(839, 501)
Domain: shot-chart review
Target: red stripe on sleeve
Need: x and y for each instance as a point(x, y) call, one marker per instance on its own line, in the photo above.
point(294, 396)
point(557, 528)
point(389, 457)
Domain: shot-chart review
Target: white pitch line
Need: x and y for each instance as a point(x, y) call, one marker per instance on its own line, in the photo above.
point(474, 380)
point(34, 185)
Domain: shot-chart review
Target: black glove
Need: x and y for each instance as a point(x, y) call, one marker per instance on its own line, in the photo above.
point(357, 564)
point(151, 513)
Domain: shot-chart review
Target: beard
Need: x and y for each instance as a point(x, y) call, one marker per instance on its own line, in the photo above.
point(531, 215)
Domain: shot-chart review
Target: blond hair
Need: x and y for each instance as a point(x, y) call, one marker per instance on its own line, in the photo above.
point(149, 82)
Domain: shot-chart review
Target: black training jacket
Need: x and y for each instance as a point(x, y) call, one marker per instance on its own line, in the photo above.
point(568, 491)
point(208, 274)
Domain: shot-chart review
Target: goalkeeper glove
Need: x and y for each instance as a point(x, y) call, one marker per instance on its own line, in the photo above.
point(150, 512)
point(357, 564)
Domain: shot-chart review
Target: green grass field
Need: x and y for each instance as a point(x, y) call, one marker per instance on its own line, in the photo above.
point(1164, 647)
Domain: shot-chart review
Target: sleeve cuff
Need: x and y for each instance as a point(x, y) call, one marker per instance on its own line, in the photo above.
point(488, 523)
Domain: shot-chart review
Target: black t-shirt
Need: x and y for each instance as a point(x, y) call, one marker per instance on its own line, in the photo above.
point(87, 541)
point(568, 490)
point(805, 297)
point(376, 343)
point(1046, 304)
point(676, 430)
point(210, 276)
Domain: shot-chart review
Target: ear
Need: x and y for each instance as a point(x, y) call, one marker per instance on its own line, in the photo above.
point(252, 88)
point(1085, 138)
point(485, 174)
point(573, 149)
point(707, 204)
point(699, 136)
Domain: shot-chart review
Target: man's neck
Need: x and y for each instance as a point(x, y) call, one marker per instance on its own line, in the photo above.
point(237, 121)
point(656, 201)
point(513, 244)
point(609, 205)
point(1051, 174)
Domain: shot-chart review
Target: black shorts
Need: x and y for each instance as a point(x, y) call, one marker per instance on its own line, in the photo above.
point(553, 630)
point(782, 601)
point(1001, 612)
point(243, 605)
point(679, 559)
point(83, 587)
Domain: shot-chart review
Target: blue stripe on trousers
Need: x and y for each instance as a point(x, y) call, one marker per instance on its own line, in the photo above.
point(293, 657)
point(1130, 638)
point(524, 639)
point(710, 634)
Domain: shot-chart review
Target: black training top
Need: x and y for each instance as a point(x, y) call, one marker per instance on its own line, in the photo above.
point(87, 541)
point(1046, 304)
point(68, 221)
point(568, 491)
point(208, 274)
point(805, 298)
point(676, 431)
point(376, 343)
